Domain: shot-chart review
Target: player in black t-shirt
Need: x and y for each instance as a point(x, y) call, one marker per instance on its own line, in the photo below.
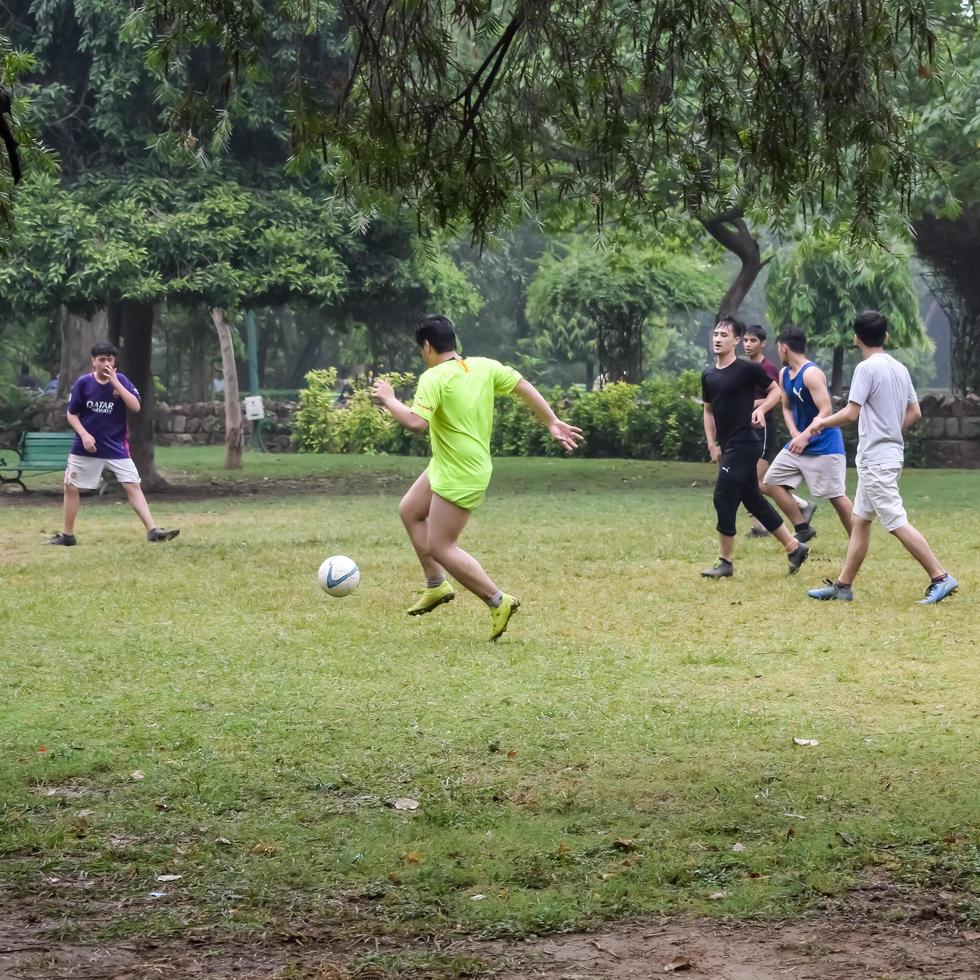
point(728, 391)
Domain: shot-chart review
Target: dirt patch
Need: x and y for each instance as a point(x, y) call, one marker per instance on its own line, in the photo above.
point(859, 942)
point(371, 483)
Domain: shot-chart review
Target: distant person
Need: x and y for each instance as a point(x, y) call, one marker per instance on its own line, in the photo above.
point(26, 380)
point(822, 464)
point(346, 394)
point(730, 425)
point(51, 388)
point(218, 386)
point(883, 402)
point(754, 345)
point(97, 412)
point(454, 402)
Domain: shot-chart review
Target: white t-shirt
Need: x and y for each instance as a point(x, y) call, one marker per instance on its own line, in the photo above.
point(883, 388)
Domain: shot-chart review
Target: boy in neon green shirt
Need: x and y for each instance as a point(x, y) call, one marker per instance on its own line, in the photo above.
point(454, 401)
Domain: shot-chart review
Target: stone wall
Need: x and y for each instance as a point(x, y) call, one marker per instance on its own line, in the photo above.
point(948, 437)
point(950, 431)
point(189, 424)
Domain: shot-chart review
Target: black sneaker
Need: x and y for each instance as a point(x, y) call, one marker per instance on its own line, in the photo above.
point(805, 534)
point(797, 558)
point(61, 538)
point(721, 569)
point(162, 534)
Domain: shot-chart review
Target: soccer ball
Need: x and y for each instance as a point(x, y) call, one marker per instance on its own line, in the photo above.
point(338, 576)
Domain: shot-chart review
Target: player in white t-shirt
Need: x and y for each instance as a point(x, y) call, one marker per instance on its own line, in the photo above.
point(884, 403)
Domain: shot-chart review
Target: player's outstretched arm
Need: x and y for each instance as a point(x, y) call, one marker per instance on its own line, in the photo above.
point(567, 435)
point(383, 394)
point(773, 395)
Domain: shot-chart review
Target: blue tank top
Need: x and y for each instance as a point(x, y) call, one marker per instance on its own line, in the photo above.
point(828, 442)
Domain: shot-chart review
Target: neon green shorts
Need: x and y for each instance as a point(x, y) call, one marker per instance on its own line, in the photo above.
point(467, 499)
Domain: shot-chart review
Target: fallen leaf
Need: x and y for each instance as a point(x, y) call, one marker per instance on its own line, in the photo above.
point(223, 841)
point(512, 753)
point(477, 898)
point(158, 894)
point(738, 847)
point(970, 936)
point(678, 963)
point(137, 775)
point(564, 849)
point(84, 814)
point(717, 896)
point(404, 803)
point(846, 838)
point(805, 741)
point(625, 843)
point(42, 748)
point(412, 857)
point(264, 847)
point(169, 877)
point(160, 805)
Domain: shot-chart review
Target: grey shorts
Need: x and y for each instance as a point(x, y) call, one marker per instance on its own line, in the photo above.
point(877, 496)
point(824, 475)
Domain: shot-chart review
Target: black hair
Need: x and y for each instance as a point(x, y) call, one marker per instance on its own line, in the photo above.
point(103, 347)
point(756, 330)
point(736, 325)
point(438, 330)
point(794, 338)
point(870, 328)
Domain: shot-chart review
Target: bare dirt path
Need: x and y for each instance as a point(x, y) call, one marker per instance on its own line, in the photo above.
point(859, 943)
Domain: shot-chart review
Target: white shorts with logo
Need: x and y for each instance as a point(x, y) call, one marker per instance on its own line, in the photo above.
point(824, 474)
point(877, 495)
point(85, 472)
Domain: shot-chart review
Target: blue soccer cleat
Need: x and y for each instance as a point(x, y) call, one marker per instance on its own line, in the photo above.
point(938, 591)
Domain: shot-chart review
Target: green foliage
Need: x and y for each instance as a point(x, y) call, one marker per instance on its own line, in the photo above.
point(15, 405)
point(822, 284)
point(360, 426)
point(477, 111)
point(587, 302)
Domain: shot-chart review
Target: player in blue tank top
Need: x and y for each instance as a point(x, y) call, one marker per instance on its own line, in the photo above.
point(806, 396)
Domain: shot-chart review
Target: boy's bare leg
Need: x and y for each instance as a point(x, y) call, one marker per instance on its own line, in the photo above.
point(785, 501)
point(857, 549)
point(917, 546)
point(134, 491)
point(70, 511)
point(843, 506)
point(446, 523)
point(414, 512)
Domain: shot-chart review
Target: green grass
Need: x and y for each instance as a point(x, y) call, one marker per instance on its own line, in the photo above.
point(601, 761)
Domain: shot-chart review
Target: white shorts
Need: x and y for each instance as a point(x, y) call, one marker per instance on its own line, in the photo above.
point(824, 475)
point(85, 472)
point(877, 496)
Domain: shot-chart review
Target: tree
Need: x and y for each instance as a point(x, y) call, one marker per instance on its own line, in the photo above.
point(947, 211)
point(821, 285)
point(469, 110)
point(610, 294)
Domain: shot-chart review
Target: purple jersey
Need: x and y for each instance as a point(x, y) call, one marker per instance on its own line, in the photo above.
point(103, 413)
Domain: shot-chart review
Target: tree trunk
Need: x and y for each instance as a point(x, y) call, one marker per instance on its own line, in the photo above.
point(133, 323)
point(837, 372)
point(589, 375)
point(199, 376)
point(234, 436)
point(306, 359)
point(730, 230)
point(78, 334)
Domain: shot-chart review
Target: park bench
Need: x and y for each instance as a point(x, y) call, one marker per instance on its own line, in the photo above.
point(38, 452)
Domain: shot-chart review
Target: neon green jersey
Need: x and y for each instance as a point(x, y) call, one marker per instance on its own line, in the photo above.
point(456, 398)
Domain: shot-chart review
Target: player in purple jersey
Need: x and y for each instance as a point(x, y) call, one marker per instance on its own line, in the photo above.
point(97, 412)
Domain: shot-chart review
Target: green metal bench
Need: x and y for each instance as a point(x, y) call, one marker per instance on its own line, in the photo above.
point(38, 452)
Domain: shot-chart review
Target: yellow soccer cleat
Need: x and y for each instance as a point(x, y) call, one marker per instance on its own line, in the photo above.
point(500, 616)
point(430, 598)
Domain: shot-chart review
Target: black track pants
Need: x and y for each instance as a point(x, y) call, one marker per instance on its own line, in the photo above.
point(738, 483)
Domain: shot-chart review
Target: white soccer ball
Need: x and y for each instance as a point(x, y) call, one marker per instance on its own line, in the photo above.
point(338, 576)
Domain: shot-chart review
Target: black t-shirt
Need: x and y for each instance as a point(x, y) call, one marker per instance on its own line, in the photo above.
point(731, 393)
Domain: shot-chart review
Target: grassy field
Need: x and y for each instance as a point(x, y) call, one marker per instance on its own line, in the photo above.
point(202, 710)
